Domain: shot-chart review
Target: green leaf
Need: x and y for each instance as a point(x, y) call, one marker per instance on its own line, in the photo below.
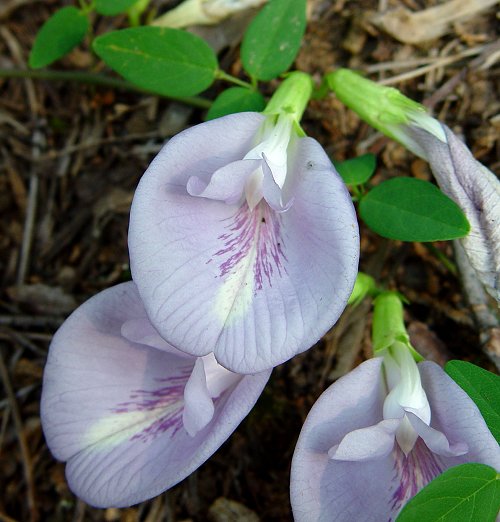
point(483, 387)
point(63, 31)
point(357, 171)
point(410, 209)
point(273, 39)
point(166, 61)
point(467, 492)
point(113, 7)
point(236, 99)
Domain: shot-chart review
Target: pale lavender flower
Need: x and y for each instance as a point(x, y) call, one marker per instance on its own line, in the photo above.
point(243, 241)
point(130, 414)
point(374, 438)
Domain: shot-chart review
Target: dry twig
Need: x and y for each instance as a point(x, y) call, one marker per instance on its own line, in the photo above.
point(25, 454)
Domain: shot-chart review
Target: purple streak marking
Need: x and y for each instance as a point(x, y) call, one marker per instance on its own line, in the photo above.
point(169, 397)
point(261, 226)
point(414, 472)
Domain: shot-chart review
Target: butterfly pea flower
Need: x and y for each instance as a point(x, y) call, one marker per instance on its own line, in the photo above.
point(243, 239)
point(460, 176)
point(379, 434)
point(130, 414)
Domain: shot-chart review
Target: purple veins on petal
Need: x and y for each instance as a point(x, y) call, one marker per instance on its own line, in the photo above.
point(256, 234)
point(413, 472)
point(326, 489)
point(166, 402)
point(255, 279)
point(114, 407)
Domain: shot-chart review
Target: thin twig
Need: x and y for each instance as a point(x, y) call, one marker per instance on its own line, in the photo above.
point(17, 53)
point(413, 62)
point(96, 143)
point(31, 321)
point(20, 394)
point(8, 8)
point(98, 79)
point(441, 62)
point(26, 458)
point(450, 85)
point(29, 221)
point(20, 339)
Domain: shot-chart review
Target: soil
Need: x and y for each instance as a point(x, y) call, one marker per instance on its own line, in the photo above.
point(71, 155)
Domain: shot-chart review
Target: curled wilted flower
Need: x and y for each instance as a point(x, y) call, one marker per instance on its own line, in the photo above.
point(476, 190)
point(379, 434)
point(460, 176)
point(243, 239)
point(130, 414)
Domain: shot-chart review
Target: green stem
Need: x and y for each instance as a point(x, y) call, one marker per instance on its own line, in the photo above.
point(97, 79)
point(221, 75)
point(446, 262)
point(87, 8)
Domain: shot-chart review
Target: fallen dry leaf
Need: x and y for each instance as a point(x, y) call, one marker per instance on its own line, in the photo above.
point(414, 28)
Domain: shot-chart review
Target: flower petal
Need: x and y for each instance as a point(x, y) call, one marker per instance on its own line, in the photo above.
point(456, 416)
point(323, 489)
point(254, 287)
point(113, 408)
point(435, 440)
point(364, 444)
point(318, 482)
point(198, 405)
point(271, 190)
point(226, 184)
point(477, 191)
point(141, 331)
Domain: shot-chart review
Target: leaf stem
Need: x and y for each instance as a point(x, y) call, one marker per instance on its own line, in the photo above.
point(441, 257)
point(222, 75)
point(97, 79)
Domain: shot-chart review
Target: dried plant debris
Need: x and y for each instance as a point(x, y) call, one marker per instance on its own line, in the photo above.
point(431, 23)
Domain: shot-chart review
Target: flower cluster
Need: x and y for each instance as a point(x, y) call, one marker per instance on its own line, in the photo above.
point(244, 250)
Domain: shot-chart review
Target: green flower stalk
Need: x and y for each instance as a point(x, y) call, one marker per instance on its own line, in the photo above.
point(364, 286)
point(384, 108)
point(388, 327)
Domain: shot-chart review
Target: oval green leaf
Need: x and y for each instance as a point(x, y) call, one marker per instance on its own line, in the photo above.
point(62, 32)
point(236, 99)
point(113, 7)
point(273, 39)
point(410, 209)
point(483, 387)
point(465, 492)
point(357, 171)
point(166, 61)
